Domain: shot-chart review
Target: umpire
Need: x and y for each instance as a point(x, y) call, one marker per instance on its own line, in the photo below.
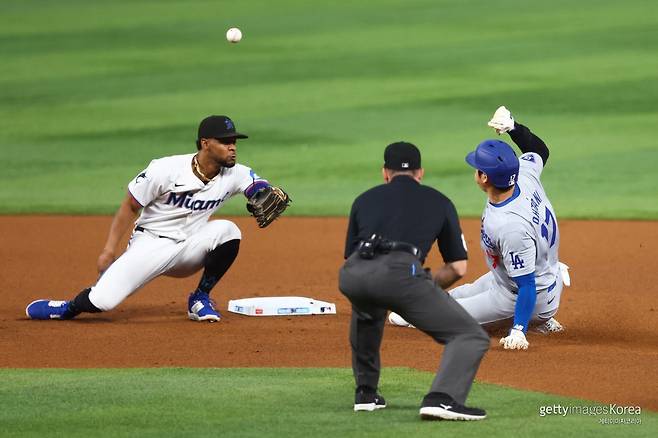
point(391, 229)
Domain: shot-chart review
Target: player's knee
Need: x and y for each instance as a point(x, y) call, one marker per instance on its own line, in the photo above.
point(103, 302)
point(224, 231)
point(232, 232)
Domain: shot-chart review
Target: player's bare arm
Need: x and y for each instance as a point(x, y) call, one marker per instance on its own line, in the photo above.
point(451, 272)
point(123, 219)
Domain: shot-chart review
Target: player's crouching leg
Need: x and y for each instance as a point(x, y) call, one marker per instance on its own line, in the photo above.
point(224, 237)
point(219, 231)
point(82, 303)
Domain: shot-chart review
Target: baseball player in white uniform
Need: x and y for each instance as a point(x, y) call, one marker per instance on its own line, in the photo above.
point(173, 235)
point(519, 236)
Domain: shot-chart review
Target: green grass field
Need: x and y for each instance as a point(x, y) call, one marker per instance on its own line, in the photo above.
point(270, 402)
point(90, 92)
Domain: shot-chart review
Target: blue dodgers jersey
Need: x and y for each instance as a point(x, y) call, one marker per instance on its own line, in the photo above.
point(520, 235)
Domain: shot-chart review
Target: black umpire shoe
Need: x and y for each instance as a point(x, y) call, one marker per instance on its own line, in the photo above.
point(440, 406)
point(368, 401)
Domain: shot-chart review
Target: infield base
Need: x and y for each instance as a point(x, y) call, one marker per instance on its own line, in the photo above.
point(281, 306)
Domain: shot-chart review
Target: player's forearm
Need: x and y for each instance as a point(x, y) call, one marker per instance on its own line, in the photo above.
point(525, 302)
point(123, 219)
point(449, 273)
point(527, 141)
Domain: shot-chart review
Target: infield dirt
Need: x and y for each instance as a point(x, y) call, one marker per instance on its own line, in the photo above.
point(608, 353)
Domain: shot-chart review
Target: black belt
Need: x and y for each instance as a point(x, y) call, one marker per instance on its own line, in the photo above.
point(399, 246)
point(378, 245)
point(143, 230)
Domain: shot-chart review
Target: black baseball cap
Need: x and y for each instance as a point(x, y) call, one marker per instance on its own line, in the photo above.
point(401, 156)
point(218, 127)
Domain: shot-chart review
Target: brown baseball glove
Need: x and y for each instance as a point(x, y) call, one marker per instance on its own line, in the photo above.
point(268, 204)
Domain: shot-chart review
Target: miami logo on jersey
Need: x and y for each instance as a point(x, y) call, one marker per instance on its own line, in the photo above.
point(183, 200)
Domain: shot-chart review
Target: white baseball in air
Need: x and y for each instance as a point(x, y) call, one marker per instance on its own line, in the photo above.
point(233, 35)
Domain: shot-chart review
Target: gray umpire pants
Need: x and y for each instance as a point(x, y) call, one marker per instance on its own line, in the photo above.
point(396, 281)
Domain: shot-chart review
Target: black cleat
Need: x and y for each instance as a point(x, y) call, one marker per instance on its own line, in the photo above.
point(440, 406)
point(368, 401)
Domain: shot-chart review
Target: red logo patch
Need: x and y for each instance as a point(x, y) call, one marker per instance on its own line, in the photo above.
point(494, 259)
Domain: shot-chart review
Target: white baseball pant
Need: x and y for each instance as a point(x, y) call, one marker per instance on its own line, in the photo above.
point(488, 302)
point(149, 256)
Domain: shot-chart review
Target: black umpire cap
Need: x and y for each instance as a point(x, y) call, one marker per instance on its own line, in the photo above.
point(218, 127)
point(401, 156)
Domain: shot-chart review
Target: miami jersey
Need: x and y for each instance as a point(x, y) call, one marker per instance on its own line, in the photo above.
point(520, 235)
point(176, 203)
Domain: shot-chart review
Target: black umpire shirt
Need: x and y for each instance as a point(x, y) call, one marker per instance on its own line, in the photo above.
point(404, 210)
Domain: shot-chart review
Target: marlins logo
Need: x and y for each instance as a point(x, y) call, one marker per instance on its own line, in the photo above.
point(140, 176)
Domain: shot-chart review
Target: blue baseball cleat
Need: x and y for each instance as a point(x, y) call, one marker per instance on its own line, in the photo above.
point(47, 309)
point(200, 308)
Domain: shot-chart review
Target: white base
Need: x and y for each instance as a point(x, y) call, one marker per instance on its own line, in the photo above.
point(280, 306)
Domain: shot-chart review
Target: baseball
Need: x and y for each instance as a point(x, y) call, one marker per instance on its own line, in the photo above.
point(233, 35)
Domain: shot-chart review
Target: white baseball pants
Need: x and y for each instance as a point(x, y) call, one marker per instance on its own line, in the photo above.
point(487, 302)
point(149, 256)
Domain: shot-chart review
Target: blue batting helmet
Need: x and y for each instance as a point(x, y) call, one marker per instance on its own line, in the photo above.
point(498, 160)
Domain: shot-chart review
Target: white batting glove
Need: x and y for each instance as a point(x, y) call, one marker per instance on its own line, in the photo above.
point(502, 120)
point(396, 319)
point(515, 340)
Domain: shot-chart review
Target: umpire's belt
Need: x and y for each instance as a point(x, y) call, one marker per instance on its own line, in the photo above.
point(398, 246)
point(368, 248)
point(143, 231)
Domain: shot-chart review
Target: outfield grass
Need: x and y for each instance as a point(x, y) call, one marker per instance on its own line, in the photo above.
point(91, 91)
point(267, 402)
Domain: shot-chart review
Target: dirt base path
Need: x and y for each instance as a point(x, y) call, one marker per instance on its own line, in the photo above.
point(608, 353)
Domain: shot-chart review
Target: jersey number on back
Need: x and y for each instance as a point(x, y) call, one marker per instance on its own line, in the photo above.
point(549, 228)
